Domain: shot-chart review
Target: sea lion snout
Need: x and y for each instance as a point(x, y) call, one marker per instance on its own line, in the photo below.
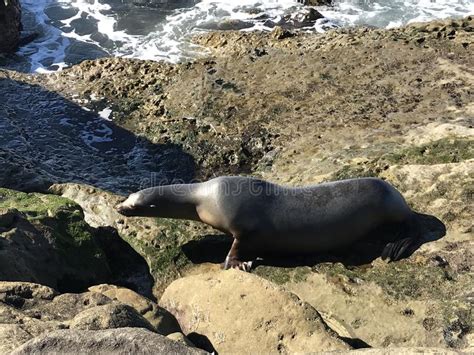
point(123, 209)
point(129, 206)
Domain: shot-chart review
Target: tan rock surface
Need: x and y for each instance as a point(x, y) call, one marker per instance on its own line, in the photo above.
point(109, 316)
point(162, 321)
point(117, 341)
point(30, 310)
point(240, 312)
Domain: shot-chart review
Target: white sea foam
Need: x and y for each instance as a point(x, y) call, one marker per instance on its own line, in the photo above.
point(105, 114)
point(50, 45)
point(170, 38)
point(95, 132)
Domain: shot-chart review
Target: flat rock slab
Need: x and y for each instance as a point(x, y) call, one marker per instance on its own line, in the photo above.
point(118, 341)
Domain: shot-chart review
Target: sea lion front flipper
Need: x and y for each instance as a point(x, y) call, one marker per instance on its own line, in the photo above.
point(233, 261)
point(237, 264)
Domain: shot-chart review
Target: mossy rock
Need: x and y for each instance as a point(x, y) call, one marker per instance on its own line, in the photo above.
point(443, 151)
point(282, 275)
point(51, 230)
point(37, 206)
point(62, 217)
point(163, 247)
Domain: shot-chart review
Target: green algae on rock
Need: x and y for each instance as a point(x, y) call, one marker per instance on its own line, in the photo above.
point(65, 254)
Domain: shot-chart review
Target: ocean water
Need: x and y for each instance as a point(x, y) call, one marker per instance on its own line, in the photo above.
point(74, 30)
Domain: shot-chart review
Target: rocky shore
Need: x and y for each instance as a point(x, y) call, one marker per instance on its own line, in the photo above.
point(294, 108)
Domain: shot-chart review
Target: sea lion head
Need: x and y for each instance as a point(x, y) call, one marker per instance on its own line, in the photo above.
point(136, 205)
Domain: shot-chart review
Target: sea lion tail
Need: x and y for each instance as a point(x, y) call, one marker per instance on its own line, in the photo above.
point(399, 249)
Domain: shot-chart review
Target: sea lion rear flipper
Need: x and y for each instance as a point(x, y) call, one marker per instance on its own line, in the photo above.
point(396, 250)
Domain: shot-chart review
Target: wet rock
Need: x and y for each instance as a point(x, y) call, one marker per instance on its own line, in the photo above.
point(121, 341)
point(10, 25)
point(74, 53)
point(240, 312)
point(304, 18)
point(226, 25)
point(279, 33)
point(59, 13)
point(317, 2)
point(84, 25)
point(167, 4)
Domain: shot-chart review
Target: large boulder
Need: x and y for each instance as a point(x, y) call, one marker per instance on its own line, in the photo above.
point(45, 239)
point(242, 313)
point(10, 25)
point(118, 341)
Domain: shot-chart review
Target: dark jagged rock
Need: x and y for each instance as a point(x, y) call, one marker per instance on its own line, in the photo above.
point(316, 2)
point(167, 4)
point(10, 25)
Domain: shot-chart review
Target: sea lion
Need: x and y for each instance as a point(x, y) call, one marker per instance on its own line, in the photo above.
point(269, 219)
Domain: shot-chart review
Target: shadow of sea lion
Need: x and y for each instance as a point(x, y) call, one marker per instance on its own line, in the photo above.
point(214, 249)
